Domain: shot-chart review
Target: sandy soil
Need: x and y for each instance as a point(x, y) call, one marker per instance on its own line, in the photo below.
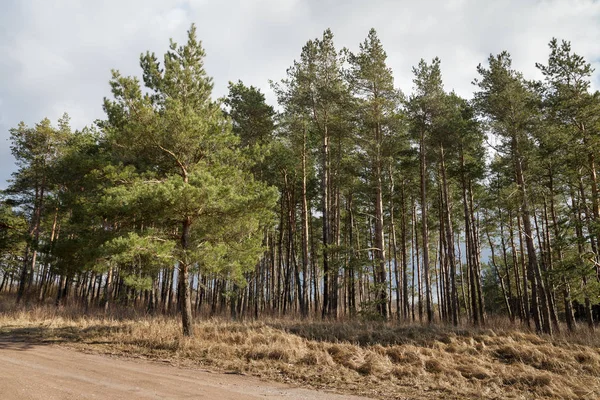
point(31, 371)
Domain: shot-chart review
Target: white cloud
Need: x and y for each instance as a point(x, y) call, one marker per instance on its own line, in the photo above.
point(57, 56)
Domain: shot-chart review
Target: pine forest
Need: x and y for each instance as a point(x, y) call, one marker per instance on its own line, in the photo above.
point(348, 199)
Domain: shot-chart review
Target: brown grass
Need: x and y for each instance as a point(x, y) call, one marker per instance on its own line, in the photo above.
point(386, 361)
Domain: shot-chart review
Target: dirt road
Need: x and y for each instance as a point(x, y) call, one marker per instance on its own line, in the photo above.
point(35, 371)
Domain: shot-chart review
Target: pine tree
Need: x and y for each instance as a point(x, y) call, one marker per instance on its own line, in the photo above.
point(35, 150)
point(182, 174)
point(372, 84)
point(425, 107)
point(511, 106)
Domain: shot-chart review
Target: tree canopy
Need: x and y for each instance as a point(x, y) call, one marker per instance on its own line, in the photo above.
point(349, 197)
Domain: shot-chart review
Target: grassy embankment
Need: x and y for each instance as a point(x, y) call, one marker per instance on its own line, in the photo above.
point(387, 361)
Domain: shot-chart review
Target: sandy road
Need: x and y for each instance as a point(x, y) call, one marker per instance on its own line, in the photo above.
point(31, 371)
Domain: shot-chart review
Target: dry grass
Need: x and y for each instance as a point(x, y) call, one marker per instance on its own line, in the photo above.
point(385, 361)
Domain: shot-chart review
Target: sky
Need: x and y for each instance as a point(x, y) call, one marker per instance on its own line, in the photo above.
point(56, 56)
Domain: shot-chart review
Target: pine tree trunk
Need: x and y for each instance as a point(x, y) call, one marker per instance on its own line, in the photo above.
point(595, 202)
point(4, 280)
point(380, 290)
point(522, 294)
point(305, 234)
point(449, 243)
point(580, 245)
point(405, 306)
point(568, 303)
point(394, 250)
point(476, 253)
point(424, 229)
point(325, 216)
point(418, 267)
point(500, 278)
point(506, 267)
point(464, 279)
point(469, 247)
point(533, 264)
point(184, 282)
point(525, 236)
point(548, 267)
point(352, 263)
point(33, 227)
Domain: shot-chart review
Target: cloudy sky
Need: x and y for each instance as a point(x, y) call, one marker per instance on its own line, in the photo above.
point(56, 56)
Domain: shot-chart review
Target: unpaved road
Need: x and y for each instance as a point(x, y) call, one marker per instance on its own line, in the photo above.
point(31, 371)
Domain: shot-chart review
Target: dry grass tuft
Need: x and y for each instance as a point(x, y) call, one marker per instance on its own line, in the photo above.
point(473, 372)
point(374, 359)
point(434, 366)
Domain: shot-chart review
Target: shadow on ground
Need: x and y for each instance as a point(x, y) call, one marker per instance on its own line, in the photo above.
point(369, 334)
point(25, 338)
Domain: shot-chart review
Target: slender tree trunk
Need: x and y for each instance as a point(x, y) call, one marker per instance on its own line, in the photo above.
point(42, 289)
point(33, 227)
point(418, 267)
point(305, 234)
point(506, 267)
point(568, 303)
point(424, 229)
point(351, 264)
point(405, 308)
point(548, 267)
point(595, 197)
point(184, 280)
point(326, 231)
point(500, 278)
point(522, 291)
point(476, 253)
point(450, 243)
point(533, 264)
point(577, 209)
point(380, 273)
point(394, 250)
point(464, 279)
point(471, 268)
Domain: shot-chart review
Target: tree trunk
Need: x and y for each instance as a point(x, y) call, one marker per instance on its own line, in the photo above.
point(449, 242)
point(500, 278)
point(184, 282)
point(568, 303)
point(424, 229)
point(405, 309)
point(469, 247)
point(325, 216)
point(305, 235)
point(380, 281)
point(580, 245)
point(531, 251)
point(394, 250)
